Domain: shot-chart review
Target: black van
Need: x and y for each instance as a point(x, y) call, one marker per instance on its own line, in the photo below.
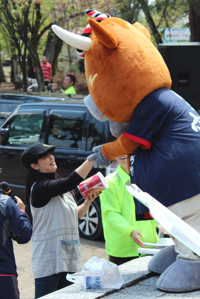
point(71, 128)
point(9, 101)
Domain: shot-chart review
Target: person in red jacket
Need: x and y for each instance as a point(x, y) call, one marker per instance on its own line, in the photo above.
point(46, 70)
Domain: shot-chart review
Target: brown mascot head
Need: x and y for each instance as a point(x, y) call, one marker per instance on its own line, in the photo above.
point(122, 66)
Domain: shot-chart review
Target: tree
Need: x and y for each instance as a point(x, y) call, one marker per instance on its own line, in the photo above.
point(7, 19)
point(154, 14)
point(2, 76)
point(37, 29)
point(194, 16)
point(154, 29)
point(71, 15)
point(67, 14)
point(164, 13)
point(24, 24)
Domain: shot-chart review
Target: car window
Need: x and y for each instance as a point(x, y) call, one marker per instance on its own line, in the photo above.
point(96, 134)
point(6, 109)
point(25, 128)
point(67, 129)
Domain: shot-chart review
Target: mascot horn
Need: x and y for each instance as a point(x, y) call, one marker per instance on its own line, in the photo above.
point(129, 85)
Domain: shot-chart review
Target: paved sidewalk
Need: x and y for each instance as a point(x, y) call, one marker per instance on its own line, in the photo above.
point(139, 283)
point(24, 270)
point(23, 261)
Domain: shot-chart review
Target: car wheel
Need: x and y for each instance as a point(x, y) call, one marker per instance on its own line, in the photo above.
point(90, 225)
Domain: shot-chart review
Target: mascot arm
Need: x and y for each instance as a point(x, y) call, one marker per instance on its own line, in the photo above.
point(104, 154)
point(121, 146)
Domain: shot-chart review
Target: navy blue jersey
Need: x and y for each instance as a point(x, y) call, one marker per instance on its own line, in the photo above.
point(167, 162)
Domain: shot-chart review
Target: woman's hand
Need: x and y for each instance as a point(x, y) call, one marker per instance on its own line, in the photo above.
point(135, 236)
point(93, 194)
point(82, 209)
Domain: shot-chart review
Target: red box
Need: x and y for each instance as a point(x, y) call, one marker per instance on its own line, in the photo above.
point(96, 181)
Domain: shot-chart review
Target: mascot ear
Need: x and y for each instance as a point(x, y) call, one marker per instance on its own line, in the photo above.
point(104, 36)
point(144, 30)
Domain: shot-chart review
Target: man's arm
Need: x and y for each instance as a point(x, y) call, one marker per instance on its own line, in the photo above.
point(20, 225)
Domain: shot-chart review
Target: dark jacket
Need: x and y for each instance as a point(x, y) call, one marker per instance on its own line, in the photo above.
point(14, 225)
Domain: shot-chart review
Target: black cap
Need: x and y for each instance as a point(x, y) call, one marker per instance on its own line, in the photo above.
point(35, 152)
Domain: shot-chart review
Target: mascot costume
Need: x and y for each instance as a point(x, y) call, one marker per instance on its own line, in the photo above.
point(129, 85)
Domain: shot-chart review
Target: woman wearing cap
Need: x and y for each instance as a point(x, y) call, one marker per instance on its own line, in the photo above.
point(54, 213)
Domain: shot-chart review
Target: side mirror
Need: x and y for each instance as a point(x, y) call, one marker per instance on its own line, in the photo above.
point(4, 134)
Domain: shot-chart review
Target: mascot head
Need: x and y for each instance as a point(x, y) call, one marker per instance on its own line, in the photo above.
point(121, 63)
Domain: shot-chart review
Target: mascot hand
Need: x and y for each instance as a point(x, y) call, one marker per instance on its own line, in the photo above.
point(100, 160)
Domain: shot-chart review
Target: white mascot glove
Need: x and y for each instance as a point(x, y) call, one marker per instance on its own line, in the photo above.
point(101, 161)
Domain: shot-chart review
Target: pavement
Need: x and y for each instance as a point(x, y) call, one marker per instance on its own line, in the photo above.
point(139, 283)
point(26, 285)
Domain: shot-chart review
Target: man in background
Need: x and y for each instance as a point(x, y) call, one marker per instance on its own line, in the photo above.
point(68, 84)
point(47, 76)
point(47, 72)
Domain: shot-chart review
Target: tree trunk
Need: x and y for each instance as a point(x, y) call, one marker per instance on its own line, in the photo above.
point(31, 72)
point(15, 74)
point(58, 48)
point(22, 63)
point(50, 47)
point(2, 76)
point(35, 58)
point(52, 50)
point(69, 54)
point(194, 16)
point(151, 23)
point(35, 39)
